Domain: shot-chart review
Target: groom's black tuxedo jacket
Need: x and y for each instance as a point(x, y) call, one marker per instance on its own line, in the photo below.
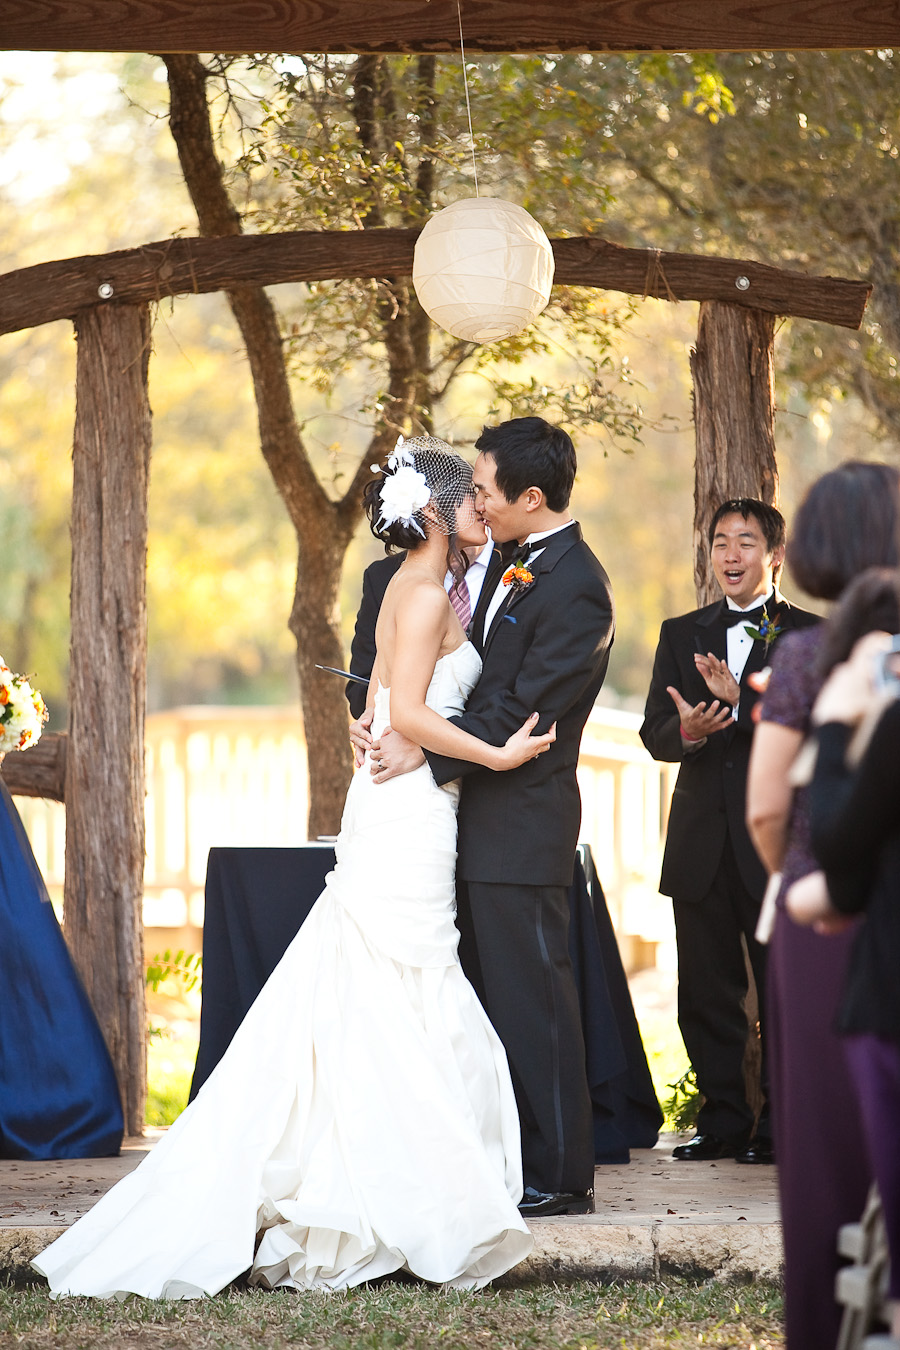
point(546, 651)
point(709, 802)
point(362, 649)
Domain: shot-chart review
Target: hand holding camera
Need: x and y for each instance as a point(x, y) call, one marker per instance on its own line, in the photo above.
point(871, 673)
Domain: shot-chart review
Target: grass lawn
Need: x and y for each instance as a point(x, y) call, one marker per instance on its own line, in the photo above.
point(666, 1055)
point(170, 1067)
point(406, 1316)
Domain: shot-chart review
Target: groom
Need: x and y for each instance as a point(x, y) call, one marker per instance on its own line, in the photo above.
point(544, 631)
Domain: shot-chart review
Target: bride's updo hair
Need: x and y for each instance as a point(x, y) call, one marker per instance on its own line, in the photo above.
point(421, 472)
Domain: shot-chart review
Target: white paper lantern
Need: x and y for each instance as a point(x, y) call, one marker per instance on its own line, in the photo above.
point(483, 269)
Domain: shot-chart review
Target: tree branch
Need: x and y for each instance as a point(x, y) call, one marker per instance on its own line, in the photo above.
point(280, 439)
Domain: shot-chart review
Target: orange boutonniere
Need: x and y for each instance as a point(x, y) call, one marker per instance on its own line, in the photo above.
point(518, 577)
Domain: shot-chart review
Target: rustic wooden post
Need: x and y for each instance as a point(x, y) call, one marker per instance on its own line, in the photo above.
point(107, 683)
point(733, 367)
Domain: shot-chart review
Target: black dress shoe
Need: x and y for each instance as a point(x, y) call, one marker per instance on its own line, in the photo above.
point(704, 1148)
point(757, 1151)
point(538, 1204)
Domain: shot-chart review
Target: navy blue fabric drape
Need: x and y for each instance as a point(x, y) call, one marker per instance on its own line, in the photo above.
point(58, 1092)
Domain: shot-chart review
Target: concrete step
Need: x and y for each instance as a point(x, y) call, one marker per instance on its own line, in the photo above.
point(654, 1217)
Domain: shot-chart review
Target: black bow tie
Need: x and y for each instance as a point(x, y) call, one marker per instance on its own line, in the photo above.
point(730, 617)
point(511, 549)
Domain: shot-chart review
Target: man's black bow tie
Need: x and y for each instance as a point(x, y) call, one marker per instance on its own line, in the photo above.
point(511, 549)
point(730, 617)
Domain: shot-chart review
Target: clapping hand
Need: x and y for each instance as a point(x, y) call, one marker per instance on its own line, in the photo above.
point(719, 680)
point(699, 721)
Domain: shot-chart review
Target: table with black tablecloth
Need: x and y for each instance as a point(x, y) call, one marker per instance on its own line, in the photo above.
point(257, 898)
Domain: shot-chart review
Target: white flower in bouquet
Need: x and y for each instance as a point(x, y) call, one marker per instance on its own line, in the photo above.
point(22, 711)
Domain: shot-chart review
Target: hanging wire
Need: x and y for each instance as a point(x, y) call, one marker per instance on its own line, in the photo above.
point(462, 53)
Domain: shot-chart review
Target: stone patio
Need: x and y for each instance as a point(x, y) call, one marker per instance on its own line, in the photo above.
point(654, 1217)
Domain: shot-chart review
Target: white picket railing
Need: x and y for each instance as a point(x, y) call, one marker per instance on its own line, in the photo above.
point(238, 776)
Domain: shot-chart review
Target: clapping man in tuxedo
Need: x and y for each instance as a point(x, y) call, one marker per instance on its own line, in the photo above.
point(544, 631)
point(700, 713)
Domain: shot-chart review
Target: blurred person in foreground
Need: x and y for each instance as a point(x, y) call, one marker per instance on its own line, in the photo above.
point(854, 806)
point(847, 523)
point(700, 712)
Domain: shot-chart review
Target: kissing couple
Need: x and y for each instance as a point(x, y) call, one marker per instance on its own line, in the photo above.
point(368, 1117)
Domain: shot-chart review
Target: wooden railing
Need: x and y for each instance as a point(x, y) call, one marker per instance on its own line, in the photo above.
point(238, 776)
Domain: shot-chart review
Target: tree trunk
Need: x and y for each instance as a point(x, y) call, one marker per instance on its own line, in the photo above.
point(733, 366)
point(317, 520)
point(107, 684)
point(313, 622)
point(323, 527)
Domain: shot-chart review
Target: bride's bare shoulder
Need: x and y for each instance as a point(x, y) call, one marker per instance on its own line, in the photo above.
point(416, 594)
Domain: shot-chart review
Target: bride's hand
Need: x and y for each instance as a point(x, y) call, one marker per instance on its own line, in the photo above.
point(522, 746)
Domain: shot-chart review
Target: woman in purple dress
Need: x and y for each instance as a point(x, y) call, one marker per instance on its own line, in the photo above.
point(854, 800)
point(848, 522)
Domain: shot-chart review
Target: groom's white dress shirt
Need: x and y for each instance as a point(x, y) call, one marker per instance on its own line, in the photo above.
point(533, 545)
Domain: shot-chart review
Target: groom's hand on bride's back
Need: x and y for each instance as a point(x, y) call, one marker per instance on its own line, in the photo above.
point(393, 755)
point(361, 737)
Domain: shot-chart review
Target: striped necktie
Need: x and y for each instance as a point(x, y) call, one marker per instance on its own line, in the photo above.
point(461, 602)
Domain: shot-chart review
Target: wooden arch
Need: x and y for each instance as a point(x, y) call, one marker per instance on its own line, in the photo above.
point(99, 771)
point(101, 776)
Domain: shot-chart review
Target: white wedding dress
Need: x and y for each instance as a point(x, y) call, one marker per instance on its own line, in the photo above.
point(362, 1120)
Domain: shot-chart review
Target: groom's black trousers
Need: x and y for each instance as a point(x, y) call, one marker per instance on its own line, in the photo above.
point(514, 942)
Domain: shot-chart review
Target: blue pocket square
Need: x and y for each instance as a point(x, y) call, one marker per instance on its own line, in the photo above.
point(510, 618)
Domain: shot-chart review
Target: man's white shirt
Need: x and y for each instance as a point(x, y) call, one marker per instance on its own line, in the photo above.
point(739, 643)
point(533, 545)
point(475, 574)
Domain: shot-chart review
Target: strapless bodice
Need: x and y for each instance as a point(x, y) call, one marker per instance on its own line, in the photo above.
point(454, 678)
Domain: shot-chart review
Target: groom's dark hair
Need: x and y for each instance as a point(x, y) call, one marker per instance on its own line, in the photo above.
point(529, 452)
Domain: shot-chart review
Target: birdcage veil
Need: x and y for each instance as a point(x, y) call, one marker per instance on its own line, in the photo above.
point(423, 470)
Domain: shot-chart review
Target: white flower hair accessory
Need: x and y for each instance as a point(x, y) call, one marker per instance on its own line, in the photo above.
point(404, 491)
point(421, 471)
point(401, 454)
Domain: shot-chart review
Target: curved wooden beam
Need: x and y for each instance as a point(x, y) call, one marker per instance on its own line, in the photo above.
point(59, 290)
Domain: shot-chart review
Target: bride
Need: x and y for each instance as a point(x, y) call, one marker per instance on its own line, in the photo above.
point(362, 1121)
